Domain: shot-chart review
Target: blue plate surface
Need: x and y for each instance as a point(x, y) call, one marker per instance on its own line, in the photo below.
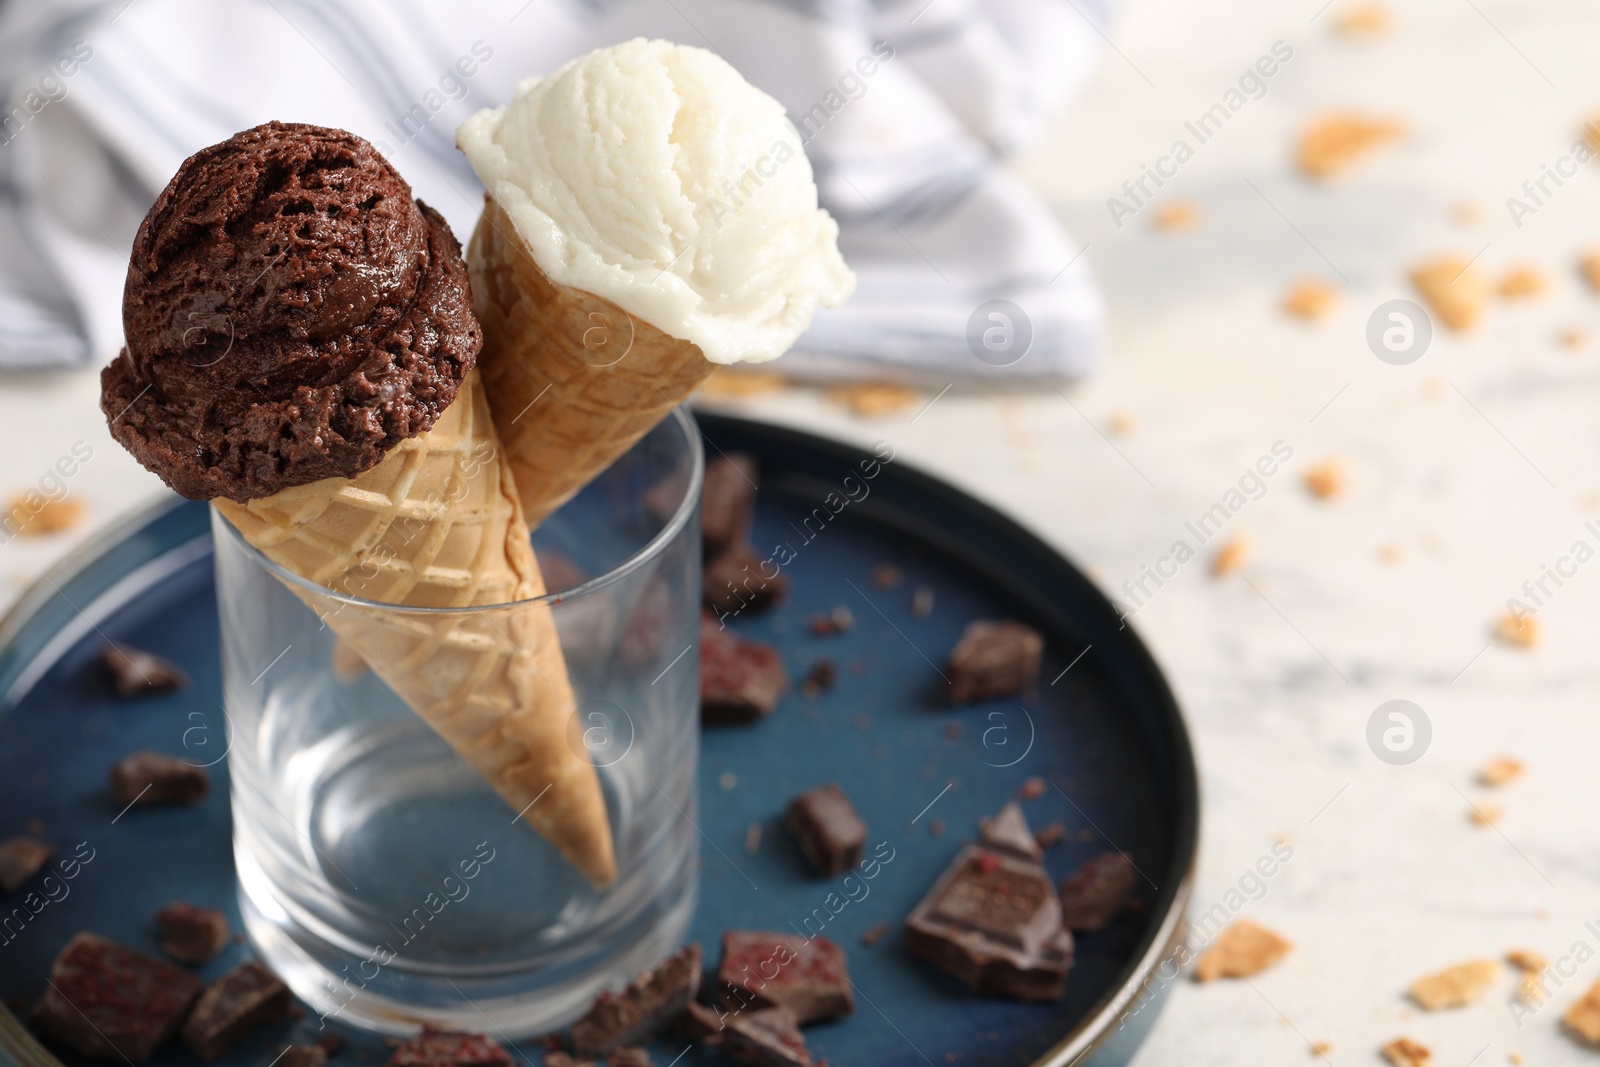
point(1101, 732)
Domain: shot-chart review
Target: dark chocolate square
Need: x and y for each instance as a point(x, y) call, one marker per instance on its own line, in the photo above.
point(740, 680)
point(244, 999)
point(994, 659)
point(829, 830)
point(767, 1038)
point(135, 673)
point(741, 580)
point(145, 779)
point(449, 1048)
point(192, 935)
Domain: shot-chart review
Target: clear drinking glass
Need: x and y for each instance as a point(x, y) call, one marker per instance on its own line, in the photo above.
point(379, 874)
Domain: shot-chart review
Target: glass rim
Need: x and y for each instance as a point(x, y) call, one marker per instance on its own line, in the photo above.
point(649, 550)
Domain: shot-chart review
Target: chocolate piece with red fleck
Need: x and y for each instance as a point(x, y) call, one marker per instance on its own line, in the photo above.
point(993, 921)
point(245, 999)
point(727, 501)
point(810, 977)
point(111, 1002)
point(742, 579)
point(651, 1001)
point(767, 1038)
point(448, 1048)
point(1098, 892)
point(146, 779)
point(994, 659)
point(740, 680)
point(629, 1056)
point(192, 935)
point(829, 830)
point(302, 1056)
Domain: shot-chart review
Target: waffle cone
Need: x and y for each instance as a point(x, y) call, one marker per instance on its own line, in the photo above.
point(573, 380)
point(437, 524)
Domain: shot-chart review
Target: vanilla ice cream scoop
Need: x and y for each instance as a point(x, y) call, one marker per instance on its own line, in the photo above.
point(653, 175)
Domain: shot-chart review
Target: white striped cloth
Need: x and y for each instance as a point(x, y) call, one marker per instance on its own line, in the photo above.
point(906, 108)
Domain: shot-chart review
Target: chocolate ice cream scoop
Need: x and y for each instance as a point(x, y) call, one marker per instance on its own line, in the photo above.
point(291, 314)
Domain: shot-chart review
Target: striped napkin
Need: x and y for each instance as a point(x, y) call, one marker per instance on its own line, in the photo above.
point(906, 108)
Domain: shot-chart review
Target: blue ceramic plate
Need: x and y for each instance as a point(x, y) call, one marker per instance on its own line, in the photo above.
point(1101, 732)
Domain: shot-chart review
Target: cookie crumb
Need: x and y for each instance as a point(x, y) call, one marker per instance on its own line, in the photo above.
point(872, 399)
point(1311, 300)
point(1455, 987)
point(1530, 990)
point(1032, 789)
point(1522, 282)
point(1486, 814)
point(1590, 266)
point(729, 383)
point(1122, 424)
point(1326, 480)
point(1177, 215)
point(1572, 339)
point(1363, 20)
point(1404, 1052)
point(1332, 144)
point(1321, 1048)
point(1583, 1018)
point(1455, 289)
point(1390, 552)
point(1242, 949)
point(1519, 630)
point(1500, 770)
point(30, 515)
point(1231, 556)
point(1466, 213)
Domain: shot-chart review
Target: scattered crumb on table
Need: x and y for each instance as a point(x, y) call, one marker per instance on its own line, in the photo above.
point(1519, 630)
point(1231, 556)
point(1311, 300)
point(1334, 143)
point(1455, 288)
point(1499, 771)
point(1455, 987)
point(1242, 949)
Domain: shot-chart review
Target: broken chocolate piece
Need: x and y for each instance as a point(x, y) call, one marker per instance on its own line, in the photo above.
point(1009, 831)
point(994, 659)
point(244, 999)
point(810, 977)
point(450, 1048)
point(1051, 835)
point(146, 778)
point(727, 502)
point(742, 579)
point(21, 858)
point(558, 1058)
point(135, 673)
point(1097, 892)
point(635, 1014)
point(767, 1038)
point(111, 1002)
point(629, 1056)
point(993, 920)
point(740, 680)
point(302, 1056)
point(838, 621)
point(700, 1024)
point(190, 934)
point(820, 678)
point(829, 830)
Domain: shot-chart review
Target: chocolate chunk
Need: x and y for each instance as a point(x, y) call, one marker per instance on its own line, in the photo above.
point(767, 1038)
point(136, 674)
point(1009, 831)
point(701, 1024)
point(994, 659)
point(740, 680)
point(727, 502)
point(742, 579)
point(629, 1056)
point(829, 830)
point(1097, 892)
point(993, 921)
point(111, 1002)
point(302, 1056)
point(244, 999)
point(652, 1000)
point(820, 678)
point(810, 977)
point(21, 858)
point(146, 778)
point(450, 1048)
point(190, 934)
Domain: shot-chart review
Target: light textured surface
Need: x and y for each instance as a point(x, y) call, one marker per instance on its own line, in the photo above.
point(1392, 880)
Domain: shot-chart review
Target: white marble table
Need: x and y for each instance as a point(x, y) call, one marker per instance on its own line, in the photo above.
point(1477, 465)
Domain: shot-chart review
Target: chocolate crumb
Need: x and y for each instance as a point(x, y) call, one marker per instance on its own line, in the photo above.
point(1032, 789)
point(752, 838)
point(21, 858)
point(887, 576)
point(146, 778)
point(874, 934)
point(922, 602)
point(135, 673)
point(936, 827)
point(820, 678)
point(1051, 835)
